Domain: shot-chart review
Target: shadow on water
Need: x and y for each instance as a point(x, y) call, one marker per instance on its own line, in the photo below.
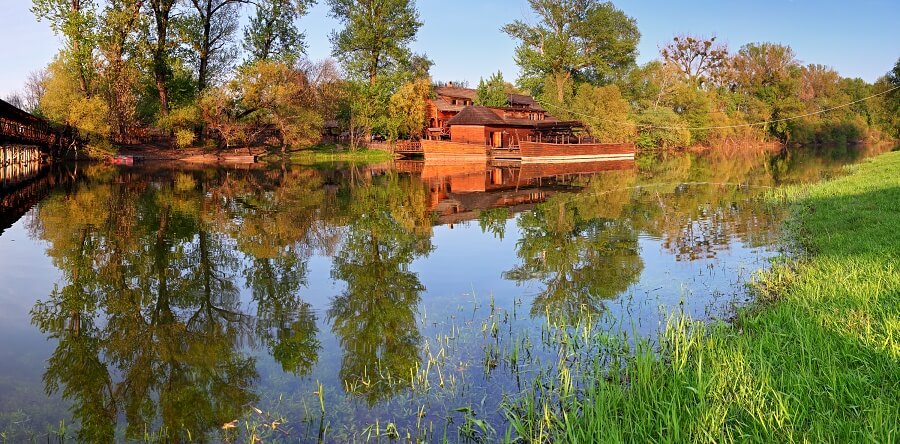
point(188, 297)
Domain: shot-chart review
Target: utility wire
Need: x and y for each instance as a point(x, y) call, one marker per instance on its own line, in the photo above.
point(742, 125)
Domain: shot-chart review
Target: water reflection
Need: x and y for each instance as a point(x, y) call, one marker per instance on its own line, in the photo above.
point(181, 288)
point(375, 316)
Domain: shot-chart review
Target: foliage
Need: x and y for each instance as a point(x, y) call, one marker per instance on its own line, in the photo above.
point(182, 118)
point(275, 94)
point(76, 21)
point(886, 108)
point(662, 128)
point(376, 36)
point(492, 92)
point(604, 111)
point(575, 40)
point(63, 101)
point(271, 33)
point(408, 107)
point(184, 138)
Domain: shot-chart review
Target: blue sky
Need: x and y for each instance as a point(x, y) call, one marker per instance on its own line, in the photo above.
point(859, 38)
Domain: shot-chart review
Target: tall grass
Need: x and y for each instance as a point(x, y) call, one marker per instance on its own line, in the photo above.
point(815, 359)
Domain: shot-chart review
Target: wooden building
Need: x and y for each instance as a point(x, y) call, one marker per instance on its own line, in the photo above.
point(456, 106)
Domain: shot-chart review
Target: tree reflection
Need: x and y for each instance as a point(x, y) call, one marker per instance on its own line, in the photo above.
point(374, 318)
point(149, 323)
point(581, 248)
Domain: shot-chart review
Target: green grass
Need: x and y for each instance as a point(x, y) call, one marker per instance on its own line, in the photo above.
point(815, 359)
point(330, 152)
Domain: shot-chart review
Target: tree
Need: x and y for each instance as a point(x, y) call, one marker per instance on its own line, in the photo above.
point(408, 107)
point(34, 91)
point(604, 111)
point(64, 102)
point(757, 65)
point(272, 33)
point(118, 43)
point(574, 40)
point(887, 107)
point(162, 14)
point(75, 20)
point(376, 35)
point(209, 32)
point(770, 72)
point(276, 94)
point(492, 92)
point(700, 59)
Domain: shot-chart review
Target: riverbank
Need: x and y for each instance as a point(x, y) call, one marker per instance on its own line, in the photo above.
point(815, 359)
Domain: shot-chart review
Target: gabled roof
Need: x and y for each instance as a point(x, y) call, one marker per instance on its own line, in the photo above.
point(453, 91)
point(471, 94)
point(522, 99)
point(476, 115)
point(444, 106)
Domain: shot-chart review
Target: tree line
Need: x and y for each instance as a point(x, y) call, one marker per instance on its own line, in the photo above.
point(187, 70)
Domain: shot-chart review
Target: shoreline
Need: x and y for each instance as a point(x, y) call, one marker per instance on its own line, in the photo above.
point(814, 358)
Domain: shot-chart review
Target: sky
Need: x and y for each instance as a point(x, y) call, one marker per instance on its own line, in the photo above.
point(858, 38)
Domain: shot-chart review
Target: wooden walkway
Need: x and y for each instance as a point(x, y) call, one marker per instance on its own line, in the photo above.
point(18, 127)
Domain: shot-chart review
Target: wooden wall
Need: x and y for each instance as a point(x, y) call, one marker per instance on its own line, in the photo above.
point(561, 150)
point(436, 149)
point(468, 134)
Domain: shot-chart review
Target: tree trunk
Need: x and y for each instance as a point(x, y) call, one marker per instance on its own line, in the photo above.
point(202, 72)
point(161, 10)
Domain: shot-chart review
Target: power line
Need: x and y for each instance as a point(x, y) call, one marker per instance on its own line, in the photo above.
point(742, 125)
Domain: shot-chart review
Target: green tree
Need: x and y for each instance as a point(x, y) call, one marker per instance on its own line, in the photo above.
point(76, 21)
point(770, 72)
point(604, 111)
point(574, 40)
point(887, 106)
point(209, 31)
point(492, 92)
point(376, 36)
point(161, 11)
point(272, 32)
point(64, 102)
point(408, 108)
point(120, 44)
point(276, 94)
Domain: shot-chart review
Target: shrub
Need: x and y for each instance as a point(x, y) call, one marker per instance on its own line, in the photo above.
point(184, 138)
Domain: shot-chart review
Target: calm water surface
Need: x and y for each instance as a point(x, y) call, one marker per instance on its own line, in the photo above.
point(172, 301)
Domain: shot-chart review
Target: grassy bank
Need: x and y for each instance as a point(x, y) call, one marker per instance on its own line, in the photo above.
point(816, 359)
point(336, 153)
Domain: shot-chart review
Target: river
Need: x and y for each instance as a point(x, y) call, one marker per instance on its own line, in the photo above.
point(341, 302)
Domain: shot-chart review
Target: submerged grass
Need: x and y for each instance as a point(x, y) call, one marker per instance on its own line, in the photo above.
point(815, 359)
point(325, 153)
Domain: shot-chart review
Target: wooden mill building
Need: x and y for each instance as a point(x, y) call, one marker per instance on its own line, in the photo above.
point(453, 116)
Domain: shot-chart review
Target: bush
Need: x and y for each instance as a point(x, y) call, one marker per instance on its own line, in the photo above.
point(184, 138)
point(661, 128)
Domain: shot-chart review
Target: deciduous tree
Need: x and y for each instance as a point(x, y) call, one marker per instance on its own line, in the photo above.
point(492, 92)
point(700, 59)
point(272, 32)
point(376, 35)
point(574, 39)
point(76, 21)
point(408, 108)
